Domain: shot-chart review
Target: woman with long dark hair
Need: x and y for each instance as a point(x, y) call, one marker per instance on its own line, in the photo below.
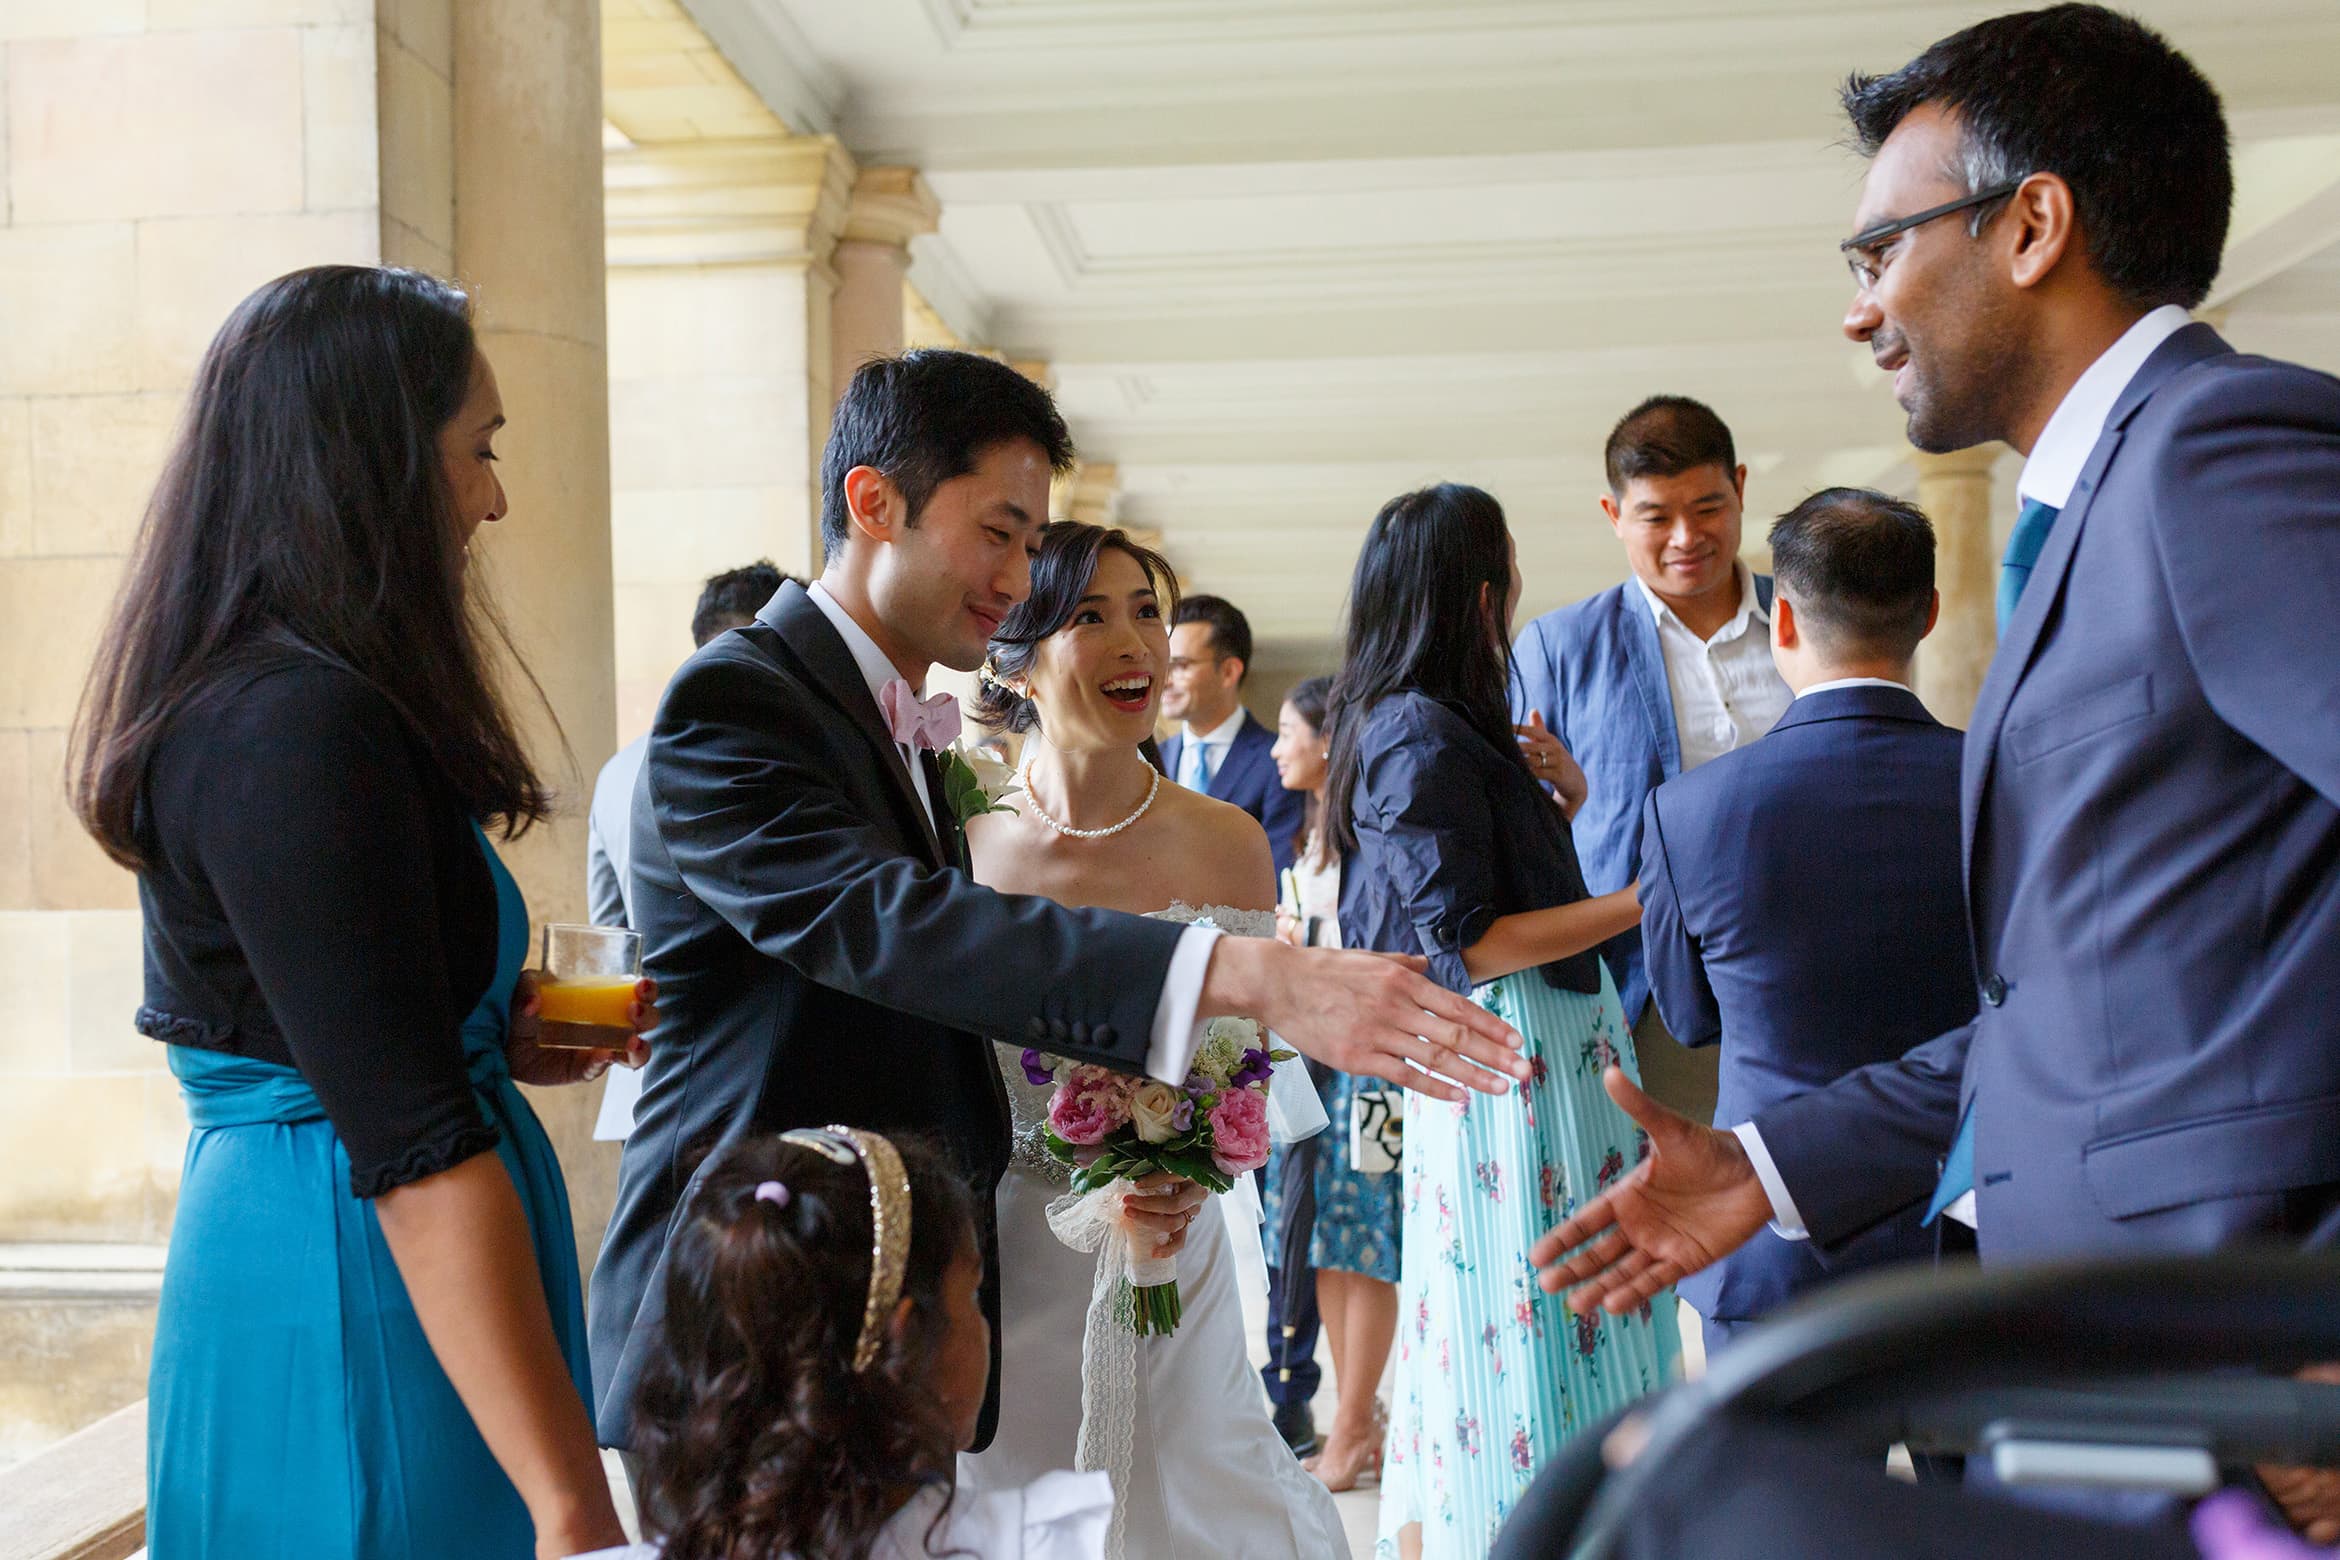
point(371, 1340)
point(1455, 853)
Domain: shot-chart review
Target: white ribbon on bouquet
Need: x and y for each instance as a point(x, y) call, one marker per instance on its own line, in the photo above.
point(1092, 1221)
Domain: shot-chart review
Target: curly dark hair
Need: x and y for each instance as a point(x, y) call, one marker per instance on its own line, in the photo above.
point(1061, 572)
point(757, 1439)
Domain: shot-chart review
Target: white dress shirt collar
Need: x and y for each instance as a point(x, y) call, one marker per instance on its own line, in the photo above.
point(1750, 605)
point(1854, 682)
point(1221, 735)
point(2079, 418)
point(876, 668)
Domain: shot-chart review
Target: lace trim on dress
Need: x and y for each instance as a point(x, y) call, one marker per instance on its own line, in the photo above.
point(427, 1158)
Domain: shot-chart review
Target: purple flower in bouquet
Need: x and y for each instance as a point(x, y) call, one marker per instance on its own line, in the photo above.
point(1239, 1131)
point(1255, 1069)
point(1089, 1106)
point(1037, 1071)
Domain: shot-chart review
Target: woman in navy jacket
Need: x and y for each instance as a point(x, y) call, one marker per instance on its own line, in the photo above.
point(1457, 854)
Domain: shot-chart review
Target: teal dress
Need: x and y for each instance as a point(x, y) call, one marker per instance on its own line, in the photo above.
point(296, 1411)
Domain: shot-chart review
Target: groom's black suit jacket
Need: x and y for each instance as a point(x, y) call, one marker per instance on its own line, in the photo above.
point(818, 961)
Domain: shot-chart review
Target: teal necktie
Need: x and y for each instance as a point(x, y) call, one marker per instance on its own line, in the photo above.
point(1958, 1170)
point(2023, 549)
point(1195, 769)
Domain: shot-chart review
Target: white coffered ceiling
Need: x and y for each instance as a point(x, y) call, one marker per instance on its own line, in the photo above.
point(1290, 257)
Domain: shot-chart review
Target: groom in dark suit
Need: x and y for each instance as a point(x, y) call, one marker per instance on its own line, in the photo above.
point(1800, 896)
point(2151, 785)
point(820, 956)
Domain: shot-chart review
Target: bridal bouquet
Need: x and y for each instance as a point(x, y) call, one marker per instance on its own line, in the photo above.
point(1113, 1129)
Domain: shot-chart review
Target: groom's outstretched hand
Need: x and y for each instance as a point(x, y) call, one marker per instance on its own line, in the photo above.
point(1365, 1013)
point(1693, 1201)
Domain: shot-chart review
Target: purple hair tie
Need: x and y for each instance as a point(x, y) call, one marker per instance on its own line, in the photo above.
point(773, 1192)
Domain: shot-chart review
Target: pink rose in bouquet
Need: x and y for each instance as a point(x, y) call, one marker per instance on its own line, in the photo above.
point(1089, 1106)
point(1239, 1131)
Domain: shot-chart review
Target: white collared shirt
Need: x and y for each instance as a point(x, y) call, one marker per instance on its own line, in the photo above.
point(1726, 691)
point(2049, 474)
point(1177, 1033)
point(1854, 682)
point(1218, 742)
point(2055, 463)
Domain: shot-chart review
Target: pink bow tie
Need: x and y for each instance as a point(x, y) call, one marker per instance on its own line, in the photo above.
point(923, 723)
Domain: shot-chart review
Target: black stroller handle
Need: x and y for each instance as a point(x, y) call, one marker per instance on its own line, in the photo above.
point(2185, 1351)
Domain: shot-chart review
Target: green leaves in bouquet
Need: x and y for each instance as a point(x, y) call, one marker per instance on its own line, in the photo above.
point(1187, 1156)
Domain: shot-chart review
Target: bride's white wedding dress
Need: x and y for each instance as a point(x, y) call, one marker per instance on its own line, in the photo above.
point(1209, 1478)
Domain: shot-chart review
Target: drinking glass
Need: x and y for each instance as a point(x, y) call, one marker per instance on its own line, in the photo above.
point(588, 987)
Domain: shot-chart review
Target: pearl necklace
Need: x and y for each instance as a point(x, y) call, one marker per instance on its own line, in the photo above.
point(1024, 781)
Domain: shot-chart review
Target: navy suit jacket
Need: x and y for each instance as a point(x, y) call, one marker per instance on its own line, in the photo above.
point(1595, 671)
point(1248, 779)
point(2150, 802)
point(1801, 903)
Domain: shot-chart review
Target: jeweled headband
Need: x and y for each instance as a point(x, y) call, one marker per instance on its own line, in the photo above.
point(889, 1219)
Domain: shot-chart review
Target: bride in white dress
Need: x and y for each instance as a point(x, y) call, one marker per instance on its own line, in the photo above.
point(1079, 665)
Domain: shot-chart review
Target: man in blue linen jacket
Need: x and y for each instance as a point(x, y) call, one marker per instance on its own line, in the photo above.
point(1651, 678)
point(1800, 897)
point(2150, 792)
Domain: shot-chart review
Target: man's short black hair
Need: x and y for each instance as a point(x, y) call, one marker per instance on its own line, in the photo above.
point(2103, 102)
point(734, 597)
point(926, 417)
point(1858, 566)
point(1230, 629)
point(1665, 436)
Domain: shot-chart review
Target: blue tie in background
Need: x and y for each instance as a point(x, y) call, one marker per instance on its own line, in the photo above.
point(1194, 772)
point(2023, 548)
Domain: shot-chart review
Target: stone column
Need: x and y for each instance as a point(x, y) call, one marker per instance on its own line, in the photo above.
point(719, 304)
point(1955, 492)
point(890, 207)
point(528, 237)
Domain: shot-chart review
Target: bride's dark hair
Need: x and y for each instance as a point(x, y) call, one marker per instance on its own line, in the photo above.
point(757, 1438)
point(1061, 572)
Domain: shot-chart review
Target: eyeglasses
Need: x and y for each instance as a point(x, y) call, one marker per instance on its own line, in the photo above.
point(1859, 250)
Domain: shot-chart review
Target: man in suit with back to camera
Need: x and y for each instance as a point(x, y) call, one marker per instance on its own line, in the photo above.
point(1800, 897)
point(728, 600)
point(797, 875)
point(2150, 792)
point(1652, 677)
point(1219, 749)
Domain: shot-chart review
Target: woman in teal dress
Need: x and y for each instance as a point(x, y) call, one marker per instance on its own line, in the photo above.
point(1455, 853)
point(1352, 1240)
point(371, 1341)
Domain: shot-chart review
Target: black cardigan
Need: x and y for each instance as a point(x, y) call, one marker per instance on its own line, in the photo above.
point(316, 896)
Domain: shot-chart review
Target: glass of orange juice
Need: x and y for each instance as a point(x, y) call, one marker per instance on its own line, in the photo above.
point(588, 987)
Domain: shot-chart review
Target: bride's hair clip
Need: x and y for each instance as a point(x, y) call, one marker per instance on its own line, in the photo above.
point(988, 675)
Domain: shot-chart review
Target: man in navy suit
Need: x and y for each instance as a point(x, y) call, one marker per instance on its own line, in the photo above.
point(1653, 677)
point(1220, 749)
point(2151, 786)
point(1800, 897)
